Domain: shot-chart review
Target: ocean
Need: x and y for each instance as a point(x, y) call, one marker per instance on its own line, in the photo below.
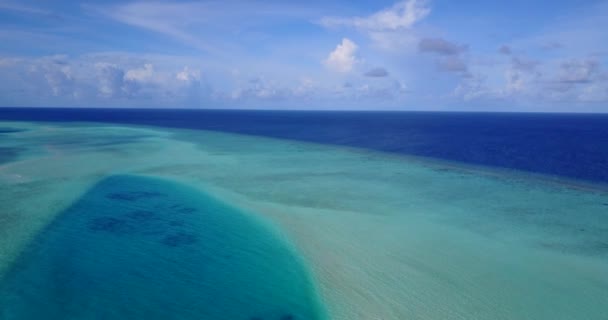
point(219, 215)
point(568, 145)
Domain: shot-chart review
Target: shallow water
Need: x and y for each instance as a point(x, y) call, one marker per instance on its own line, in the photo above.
point(385, 237)
point(143, 248)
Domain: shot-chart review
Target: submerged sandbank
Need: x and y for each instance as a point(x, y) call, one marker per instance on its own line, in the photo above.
point(386, 237)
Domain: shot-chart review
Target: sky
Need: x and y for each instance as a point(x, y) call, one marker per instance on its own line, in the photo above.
point(536, 56)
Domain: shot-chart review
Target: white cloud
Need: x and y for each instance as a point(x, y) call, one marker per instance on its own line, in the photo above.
point(170, 19)
point(390, 29)
point(56, 72)
point(110, 79)
point(17, 7)
point(525, 80)
point(188, 75)
point(521, 77)
point(306, 87)
point(259, 89)
point(59, 79)
point(343, 58)
point(140, 74)
point(208, 26)
point(473, 87)
point(401, 15)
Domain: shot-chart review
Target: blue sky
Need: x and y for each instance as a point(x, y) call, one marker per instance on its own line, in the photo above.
point(374, 55)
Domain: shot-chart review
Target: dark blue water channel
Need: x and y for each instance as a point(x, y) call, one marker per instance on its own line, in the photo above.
point(568, 145)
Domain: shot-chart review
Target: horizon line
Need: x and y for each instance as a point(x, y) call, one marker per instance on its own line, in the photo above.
point(306, 110)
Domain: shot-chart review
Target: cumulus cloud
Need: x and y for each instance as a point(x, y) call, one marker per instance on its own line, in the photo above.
point(390, 28)
point(140, 74)
point(259, 88)
point(440, 46)
point(60, 79)
point(110, 80)
point(188, 75)
point(573, 80)
point(577, 79)
point(307, 87)
point(401, 15)
point(521, 76)
point(393, 90)
point(343, 58)
point(521, 79)
point(376, 73)
point(57, 73)
point(473, 87)
point(114, 80)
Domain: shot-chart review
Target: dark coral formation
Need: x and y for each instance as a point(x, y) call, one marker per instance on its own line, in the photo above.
point(186, 210)
point(179, 239)
point(155, 220)
point(142, 215)
point(111, 225)
point(176, 223)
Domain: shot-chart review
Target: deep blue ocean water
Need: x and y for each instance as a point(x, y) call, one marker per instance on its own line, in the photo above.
point(144, 248)
point(568, 145)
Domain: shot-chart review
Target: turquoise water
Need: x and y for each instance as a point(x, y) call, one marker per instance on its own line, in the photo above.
point(142, 248)
point(383, 237)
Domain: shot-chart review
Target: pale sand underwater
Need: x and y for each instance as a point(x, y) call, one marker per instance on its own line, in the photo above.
point(384, 237)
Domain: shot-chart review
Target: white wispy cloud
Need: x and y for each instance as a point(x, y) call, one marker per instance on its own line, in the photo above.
point(208, 26)
point(170, 19)
point(401, 15)
point(21, 8)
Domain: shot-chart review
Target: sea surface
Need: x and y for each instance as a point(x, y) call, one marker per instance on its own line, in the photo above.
point(261, 215)
point(568, 145)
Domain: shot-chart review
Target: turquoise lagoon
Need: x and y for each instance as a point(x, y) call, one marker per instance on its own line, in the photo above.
point(91, 228)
